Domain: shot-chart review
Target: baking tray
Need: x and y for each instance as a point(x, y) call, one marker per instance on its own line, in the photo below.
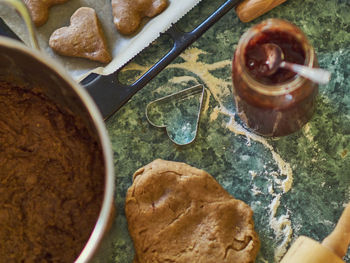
point(109, 93)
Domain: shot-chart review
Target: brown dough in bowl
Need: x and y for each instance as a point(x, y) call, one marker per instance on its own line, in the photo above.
point(51, 178)
point(178, 213)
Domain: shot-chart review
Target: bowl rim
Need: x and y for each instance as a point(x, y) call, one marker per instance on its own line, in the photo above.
point(107, 207)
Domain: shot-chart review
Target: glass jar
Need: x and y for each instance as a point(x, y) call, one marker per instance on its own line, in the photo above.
point(283, 102)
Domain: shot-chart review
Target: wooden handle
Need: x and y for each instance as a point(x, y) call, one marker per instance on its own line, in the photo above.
point(307, 250)
point(338, 241)
point(251, 9)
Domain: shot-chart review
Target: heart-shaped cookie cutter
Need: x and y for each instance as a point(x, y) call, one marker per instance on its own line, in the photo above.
point(178, 96)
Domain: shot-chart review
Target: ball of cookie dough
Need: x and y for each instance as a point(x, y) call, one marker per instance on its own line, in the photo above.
point(178, 213)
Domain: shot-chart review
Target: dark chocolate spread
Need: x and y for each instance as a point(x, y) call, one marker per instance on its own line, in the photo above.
point(255, 59)
point(51, 179)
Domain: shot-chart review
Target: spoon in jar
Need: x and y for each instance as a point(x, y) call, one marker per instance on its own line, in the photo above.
point(275, 60)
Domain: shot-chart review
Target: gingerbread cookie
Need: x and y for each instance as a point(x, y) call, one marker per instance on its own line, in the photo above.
point(178, 213)
point(39, 9)
point(128, 14)
point(83, 38)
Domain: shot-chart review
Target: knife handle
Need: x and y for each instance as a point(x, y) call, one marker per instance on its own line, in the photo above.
point(248, 10)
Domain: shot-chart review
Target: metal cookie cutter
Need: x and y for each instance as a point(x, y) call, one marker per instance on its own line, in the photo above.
point(178, 113)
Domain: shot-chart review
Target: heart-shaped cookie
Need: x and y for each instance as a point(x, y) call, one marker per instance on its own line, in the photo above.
point(179, 113)
point(128, 14)
point(177, 213)
point(39, 9)
point(84, 37)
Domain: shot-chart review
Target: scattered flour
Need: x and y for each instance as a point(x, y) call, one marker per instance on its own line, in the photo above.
point(274, 205)
point(256, 191)
point(253, 174)
point(307, 133)
point(281, 226)
point(214, 115)
point(284, 167)
point(263, 260)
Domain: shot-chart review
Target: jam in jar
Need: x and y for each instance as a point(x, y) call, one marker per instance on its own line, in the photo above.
point(280, 103)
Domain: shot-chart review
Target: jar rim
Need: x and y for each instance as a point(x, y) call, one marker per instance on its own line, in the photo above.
point(280, 88)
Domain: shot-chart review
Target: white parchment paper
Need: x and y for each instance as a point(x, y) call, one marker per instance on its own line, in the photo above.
point(122, 48)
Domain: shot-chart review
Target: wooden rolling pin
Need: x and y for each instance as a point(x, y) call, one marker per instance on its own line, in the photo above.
point(251, 9)
point(332, 249)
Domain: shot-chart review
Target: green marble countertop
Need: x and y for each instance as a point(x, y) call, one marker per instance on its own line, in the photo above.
point(296, 185)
